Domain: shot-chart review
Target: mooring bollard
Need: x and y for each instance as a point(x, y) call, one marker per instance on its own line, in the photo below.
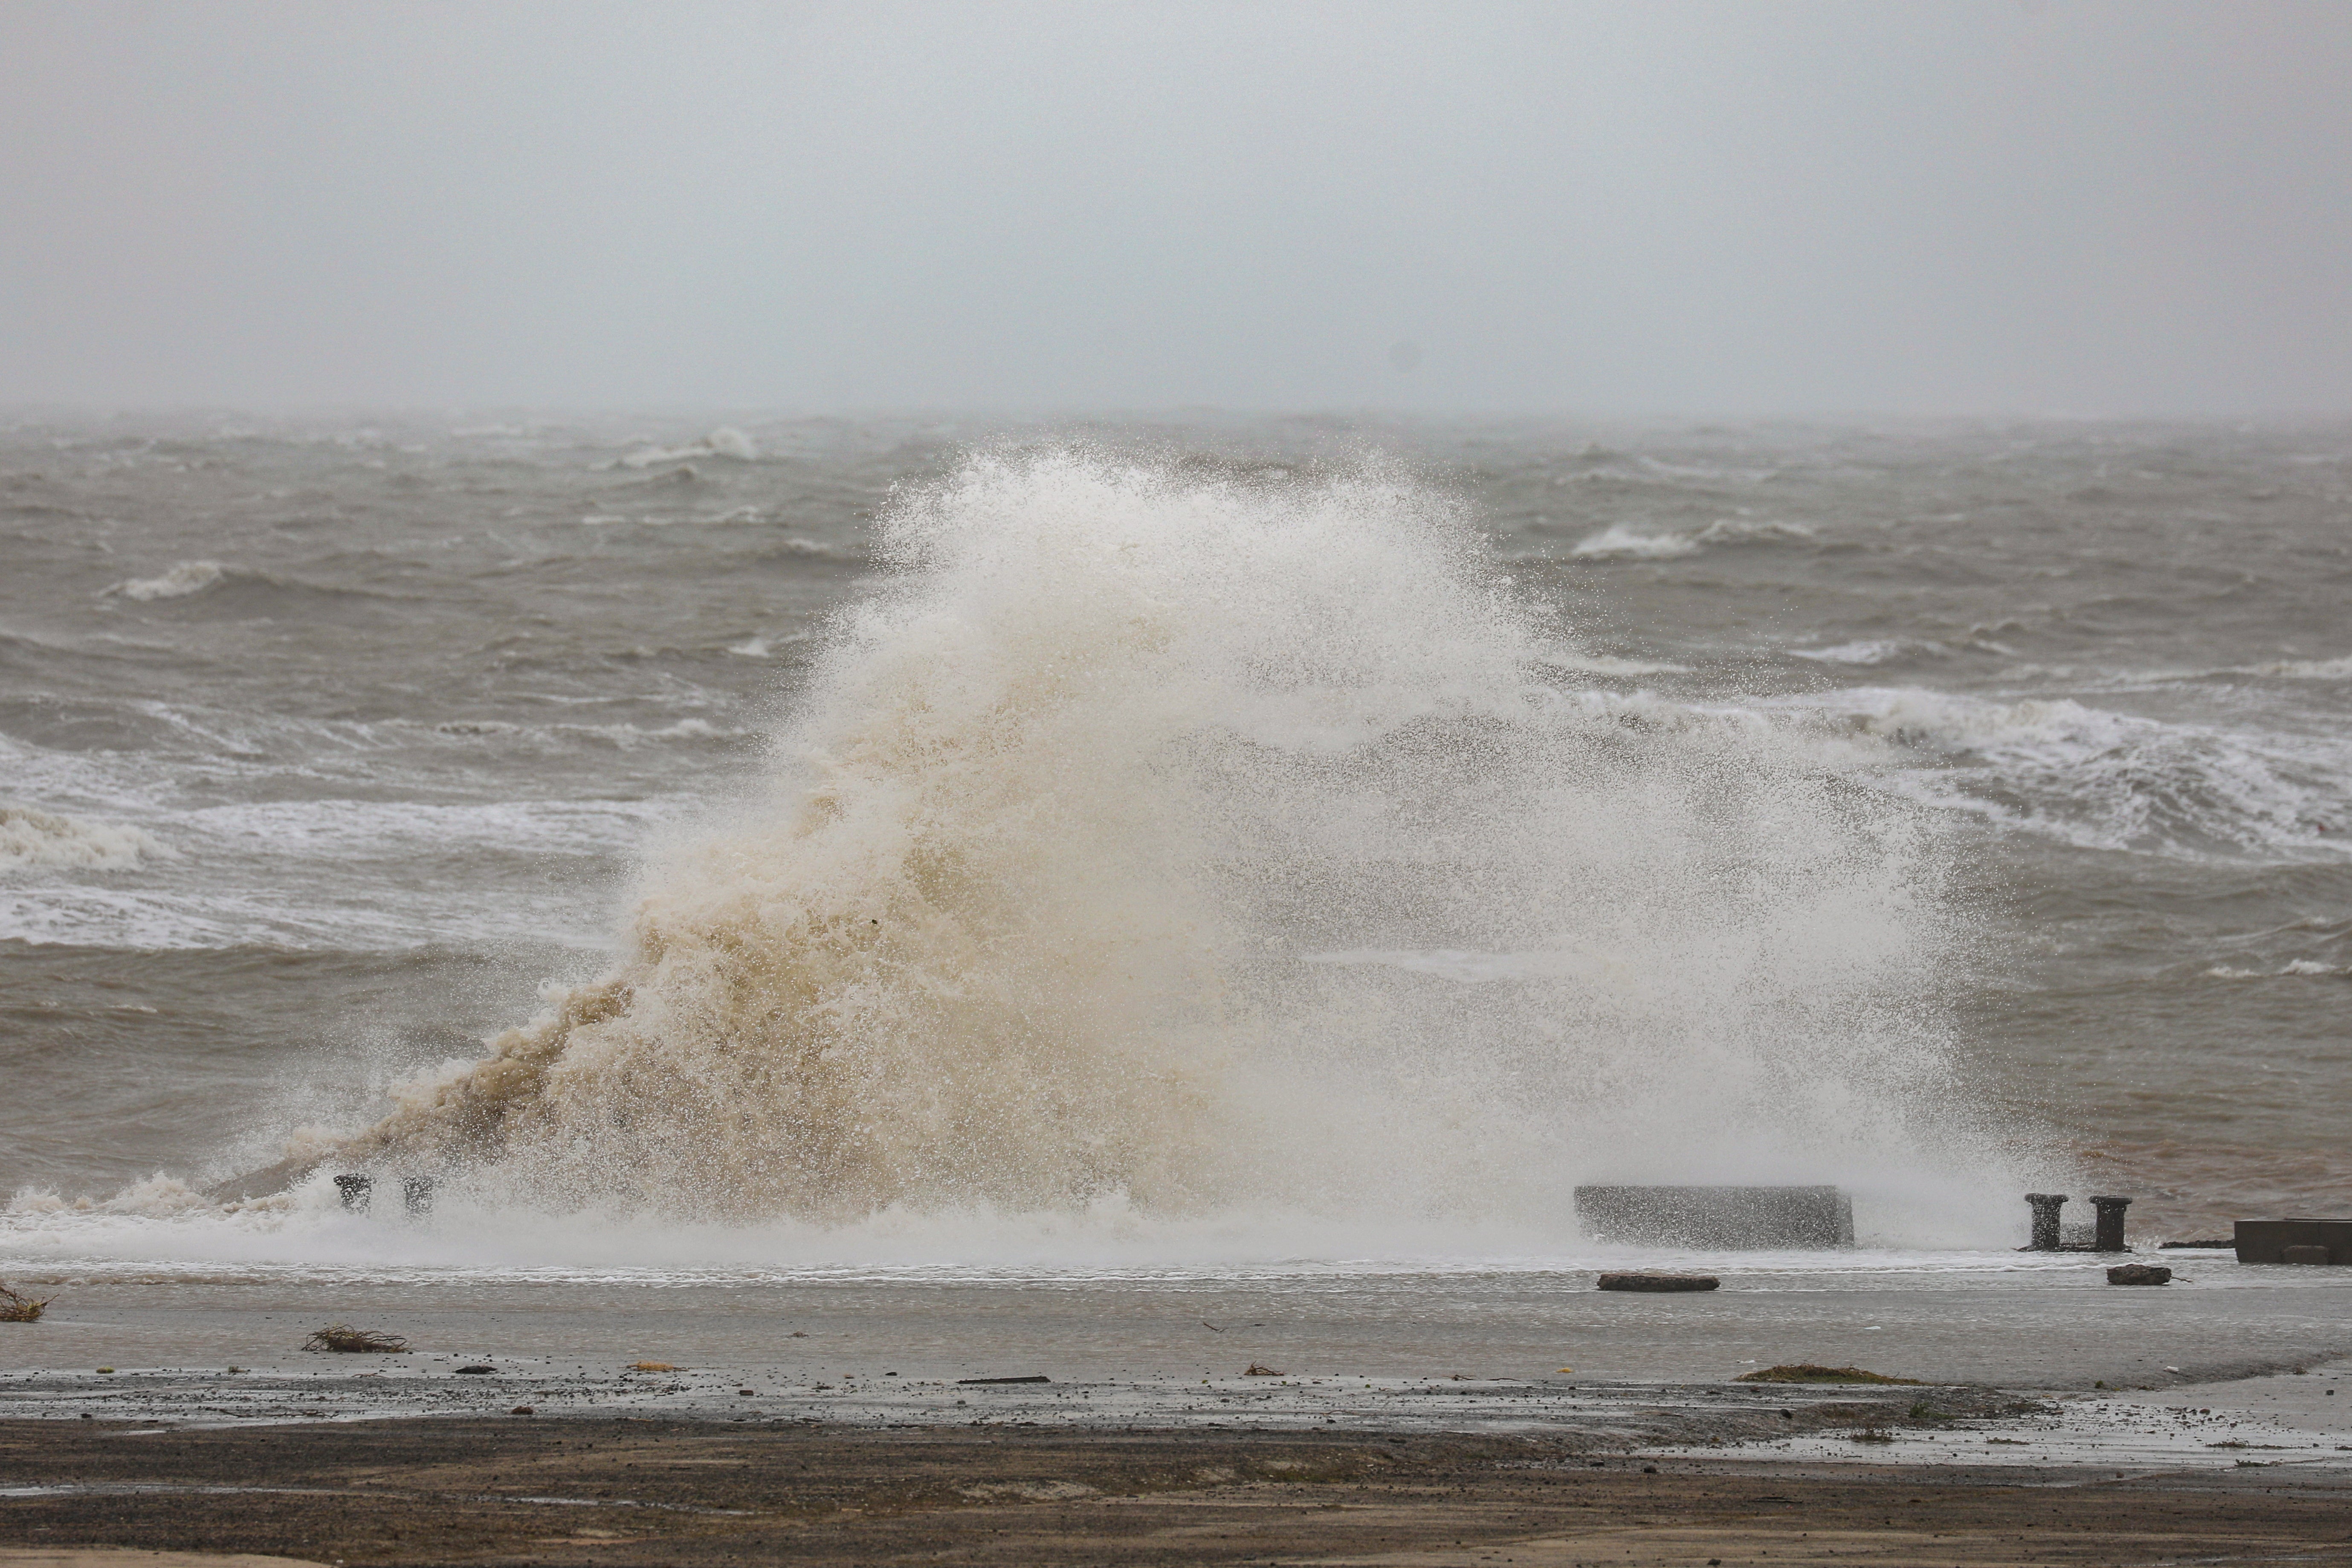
point(2109, 1236)
point(2046, 1220)
point(416, 1193)
point(355, 1191)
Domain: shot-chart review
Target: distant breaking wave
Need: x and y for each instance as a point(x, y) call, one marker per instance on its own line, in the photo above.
point(2296, 969)
point(1620, 542)
point(1131, 845)
point(2106, 779)
point(187, 577)
point(724, 442)
point(31, 838)
point(1877, 650)
point(2305, 668)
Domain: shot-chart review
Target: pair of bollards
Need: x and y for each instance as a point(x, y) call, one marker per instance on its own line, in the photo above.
point(2107, 1235)
point(359, 1190)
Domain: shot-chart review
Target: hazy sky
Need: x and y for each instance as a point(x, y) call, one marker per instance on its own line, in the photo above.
point(2013, 206)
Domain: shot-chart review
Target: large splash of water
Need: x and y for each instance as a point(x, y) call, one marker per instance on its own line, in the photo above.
point(1192, 843)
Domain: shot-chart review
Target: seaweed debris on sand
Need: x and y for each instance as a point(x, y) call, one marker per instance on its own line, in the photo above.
point(1805, 1372)
point(359, 1341)
point(1657, 1282)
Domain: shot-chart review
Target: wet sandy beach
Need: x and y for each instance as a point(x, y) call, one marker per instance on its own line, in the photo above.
point(1416, 1418)
point(664, 1492)
point(2003, 1320)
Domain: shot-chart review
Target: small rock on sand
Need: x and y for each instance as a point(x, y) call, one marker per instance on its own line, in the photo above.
point(1659, 1282)
point(2140, 1274)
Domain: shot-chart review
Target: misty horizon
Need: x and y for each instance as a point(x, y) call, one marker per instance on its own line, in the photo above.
point(2081, 210)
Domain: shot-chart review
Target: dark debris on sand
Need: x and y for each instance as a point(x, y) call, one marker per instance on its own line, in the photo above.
point(355, 1341)
point(1806, 1371)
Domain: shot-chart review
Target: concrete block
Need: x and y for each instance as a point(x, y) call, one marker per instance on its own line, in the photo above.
point(2310, 1240)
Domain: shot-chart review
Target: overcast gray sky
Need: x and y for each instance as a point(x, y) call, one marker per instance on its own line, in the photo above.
point(1998, 206)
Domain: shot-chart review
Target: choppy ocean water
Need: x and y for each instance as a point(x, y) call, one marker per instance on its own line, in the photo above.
point(323, 743)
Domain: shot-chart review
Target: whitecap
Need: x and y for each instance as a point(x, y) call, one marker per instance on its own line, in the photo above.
point(2296, 969)
point(31, 839)
point(1609, 663)
point(729, 442)
point(1619, 543)
point(1869, 651)
point(2306, 668)
point(726, 441)
point(185, 578)
point(627, 737)
point(1739, 530)
point(2098, 778)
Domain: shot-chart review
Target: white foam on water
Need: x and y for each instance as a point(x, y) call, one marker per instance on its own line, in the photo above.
point(185, 578)
point(51, 841)
point(1869, 651)
point(726, 441)
point(759, 645)
point(2295, 969)
point(2099, 778)
point(1744, 530)
point(323, 874)
point(1620, 542)
point(2306, 668)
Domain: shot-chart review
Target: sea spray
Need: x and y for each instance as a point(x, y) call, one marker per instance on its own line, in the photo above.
point(1203, 844)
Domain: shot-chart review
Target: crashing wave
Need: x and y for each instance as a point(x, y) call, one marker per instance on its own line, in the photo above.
point(1094, 845)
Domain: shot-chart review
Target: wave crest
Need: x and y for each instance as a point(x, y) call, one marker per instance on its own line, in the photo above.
point(1619, 542)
